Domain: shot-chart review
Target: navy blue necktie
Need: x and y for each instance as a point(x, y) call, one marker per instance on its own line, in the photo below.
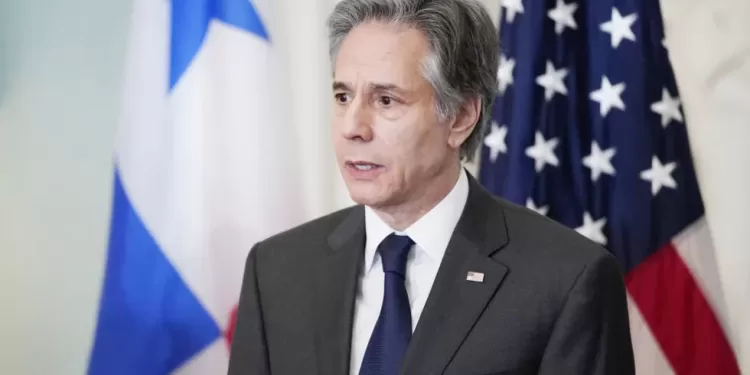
point(392, 332)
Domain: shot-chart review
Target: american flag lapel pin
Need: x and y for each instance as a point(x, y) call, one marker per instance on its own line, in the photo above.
point(476, 277)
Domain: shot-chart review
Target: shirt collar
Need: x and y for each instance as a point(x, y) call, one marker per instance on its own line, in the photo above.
point(431, 232)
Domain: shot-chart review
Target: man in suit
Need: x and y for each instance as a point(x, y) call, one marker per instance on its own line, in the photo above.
point(429, 273)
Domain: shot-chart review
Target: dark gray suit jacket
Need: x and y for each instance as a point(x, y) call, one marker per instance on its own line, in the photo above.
point(551, 302)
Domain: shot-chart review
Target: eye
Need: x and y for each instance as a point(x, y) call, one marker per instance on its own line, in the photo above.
point(342, 98)
point(386, 100)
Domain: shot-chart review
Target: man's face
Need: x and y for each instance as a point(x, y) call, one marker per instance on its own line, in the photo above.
point(388, 140)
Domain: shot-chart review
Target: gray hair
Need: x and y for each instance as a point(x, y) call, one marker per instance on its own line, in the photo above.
point(463, 58)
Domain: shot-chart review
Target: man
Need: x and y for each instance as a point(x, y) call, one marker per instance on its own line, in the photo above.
point(428, 274)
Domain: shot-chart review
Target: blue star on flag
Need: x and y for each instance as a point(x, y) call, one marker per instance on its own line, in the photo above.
point(190, 20)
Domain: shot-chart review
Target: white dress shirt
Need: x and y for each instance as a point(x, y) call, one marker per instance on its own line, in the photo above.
point(431, 235)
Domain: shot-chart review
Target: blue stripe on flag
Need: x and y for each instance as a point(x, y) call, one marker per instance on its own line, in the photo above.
point(149, 321)
point(190, 19)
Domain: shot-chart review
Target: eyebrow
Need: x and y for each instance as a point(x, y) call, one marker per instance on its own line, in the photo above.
point(340, 86)
point(337, 85)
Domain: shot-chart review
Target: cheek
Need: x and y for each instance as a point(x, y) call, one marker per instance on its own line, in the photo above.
point(336, 121)
point(412, 146)
point(427, 139)
point(400, 139)
point(336, 129)
point(414, 140)
point(340, 147)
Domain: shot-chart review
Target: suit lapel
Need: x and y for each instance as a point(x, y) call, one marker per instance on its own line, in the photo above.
point(455, 303)
point(335, 287)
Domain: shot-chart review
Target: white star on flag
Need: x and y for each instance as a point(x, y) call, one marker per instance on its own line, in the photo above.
point(599, 161)
point(495, 141)
point(619, 27)
point(668, 108)
point(532, 206)
point(543, 152)
point(593, 229)
point(660, 175)
point(552, 81)
point(505, 73)
point(563, 16)
point(608, 96)
point(511, 8)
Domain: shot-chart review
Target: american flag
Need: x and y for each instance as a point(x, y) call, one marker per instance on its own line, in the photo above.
point(588, 130)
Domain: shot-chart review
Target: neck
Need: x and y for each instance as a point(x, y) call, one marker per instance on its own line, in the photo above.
point(401, 216)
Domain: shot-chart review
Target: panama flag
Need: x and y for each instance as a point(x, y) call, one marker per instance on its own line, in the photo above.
point(203, 171)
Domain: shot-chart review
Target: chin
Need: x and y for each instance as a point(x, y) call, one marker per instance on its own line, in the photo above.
point(367, 195)
point(364, 199)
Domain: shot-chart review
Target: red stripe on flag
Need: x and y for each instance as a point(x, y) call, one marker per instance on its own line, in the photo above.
point(679, 316)
point(229, 333)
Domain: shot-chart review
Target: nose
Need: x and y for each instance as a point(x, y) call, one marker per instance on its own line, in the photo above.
point(357, 122)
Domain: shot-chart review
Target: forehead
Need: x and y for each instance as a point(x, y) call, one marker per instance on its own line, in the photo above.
point(382, 52)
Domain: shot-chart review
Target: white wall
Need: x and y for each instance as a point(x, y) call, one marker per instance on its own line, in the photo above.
point(58, 102)
point(60, 64)
point(709, 44)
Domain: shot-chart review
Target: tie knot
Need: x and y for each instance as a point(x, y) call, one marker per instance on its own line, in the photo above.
point(393, 251)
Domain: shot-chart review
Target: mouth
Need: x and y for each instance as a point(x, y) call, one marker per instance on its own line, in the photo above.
point(363, 169)
point(362, 165)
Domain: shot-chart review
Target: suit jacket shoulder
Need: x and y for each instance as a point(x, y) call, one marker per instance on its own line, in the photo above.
point(528, 243)
point(290, 281)
point(538, 236)
point(548, 256)
point(299, 242)
point(547, 289)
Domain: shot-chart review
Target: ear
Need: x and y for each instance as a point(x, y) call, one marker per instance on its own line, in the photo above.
point(465, 121)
